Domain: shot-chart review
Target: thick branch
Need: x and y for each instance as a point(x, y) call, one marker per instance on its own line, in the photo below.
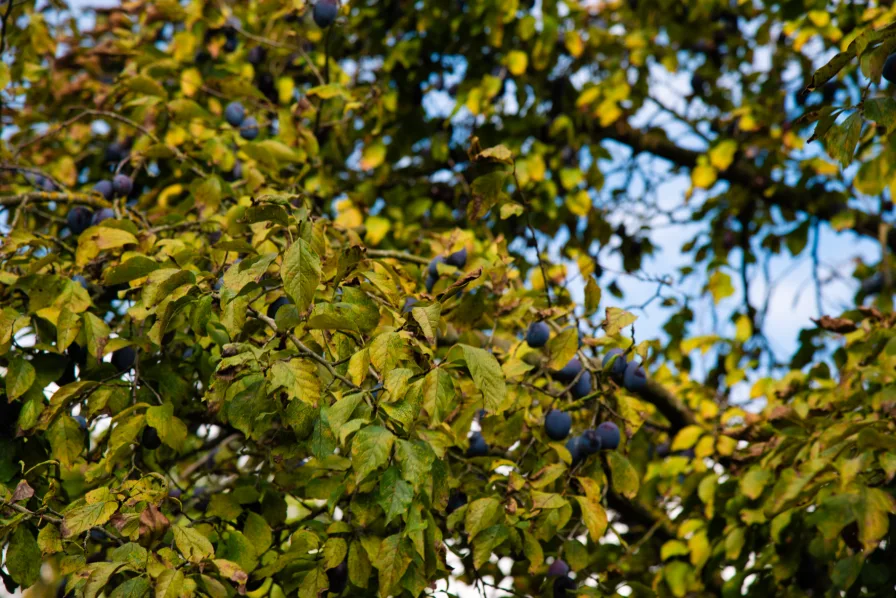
point(85, 199)
point(668, 404)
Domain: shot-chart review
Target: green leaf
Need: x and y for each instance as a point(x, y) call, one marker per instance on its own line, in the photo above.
point(392, 562)
point(841, 140)
point(562, 348)
point(616, 320)
point(172, 431)
point(97, 239)
point(132, 269)
point(359, 567)
point(66, 440)
point(136, 587)
point(592, 296)
point(371, 448)
point(258, 532)
point(624, 476)
point(416, 459)
point(246, 271)
point(19, 377)
point(486, 541)
point(169, 584)
point(192, 545)
point(428, 320)
point(49, 539)
point(79, 520)
point(499, 153)
point(23, 558)
point(488, 377)
point(438, 394)
point(482, 513)
point(594, 516)
point(395, 495)
point(754, 481)
point(300, 273)
point(687, 437)
point(882, 111)
point(487, 191)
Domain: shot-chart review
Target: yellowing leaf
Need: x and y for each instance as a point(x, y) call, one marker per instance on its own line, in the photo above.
point(703, 176)
point(579, 203)
point(722, 154)
point(190, 81)
point(517, 62)
point(686, 438)
point(373, 155)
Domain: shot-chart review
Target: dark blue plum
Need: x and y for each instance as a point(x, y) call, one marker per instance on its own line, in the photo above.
point(538, 334)
point(104, 214)
point(455, 501)
point(408, 304)
point(431, 283)
point(590, 442)
point(80, 280)
point(150, 439)
point(82, 421)
point(256, 55)
point(563, 586)
point(635, 378)
point(78, 220)
point(325, 12)
point(582, 387)
point(558, 568)
point(567, 373)
point(123, 359)
point(573, 445)
point(249, 129)
point(433, 269)
point(234, 114)
point(617, 357)
point(122, 185)
point(609, 435)
point(478, 447)
point(889, 72)
point(458, 259)
point(557, 424)
point(105, 189)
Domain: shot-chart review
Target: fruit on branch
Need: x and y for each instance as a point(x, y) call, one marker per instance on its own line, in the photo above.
point(609, 435)
point(567, 373)
point(338, 577)
point(557, 424)
point(150, 439)
point(635, 378)
point(590, 442)
point(558, 568)
point(256, 55)
point(99, 216)
point(455, 501)
point(615, 362)
point(123, 359)
point(325, 12)
point(249, 129)
point(276, 305)
point(538, 334)
point(573, 445)
point(582, 387)
point(122, 185)
point(433, 269)
point(234, 114)
point(458, 259)
point(478, 447)
point(105, 189)
point(78, 219)
point(408, 304)
point(563, 586)
point(889, 72)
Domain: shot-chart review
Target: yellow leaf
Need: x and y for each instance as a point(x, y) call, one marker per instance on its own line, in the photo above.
point(574, 43)
point(819, 18)
point(536, 167)
point(703, 176)
point(579, 203)
point(608, 112)
point(373, 155)
point(377, 229)
point(722, 154)
point(686, 438)
point(517, 62)
point(190, 81)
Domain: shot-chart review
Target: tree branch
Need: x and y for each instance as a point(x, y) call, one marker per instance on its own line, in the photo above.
point(397, 255)
point(86, 199)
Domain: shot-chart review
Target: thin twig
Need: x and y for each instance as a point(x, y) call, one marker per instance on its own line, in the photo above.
point(544, 274)
point(86, 199)
point(397, 255)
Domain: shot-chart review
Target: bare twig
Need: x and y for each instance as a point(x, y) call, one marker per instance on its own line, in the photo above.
point(86, 199)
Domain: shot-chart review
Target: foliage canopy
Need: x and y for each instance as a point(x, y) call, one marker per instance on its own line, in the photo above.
point(251, 360)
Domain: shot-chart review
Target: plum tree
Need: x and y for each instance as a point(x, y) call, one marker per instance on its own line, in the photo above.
point(557, 424)
point(538, 334)
point(78, 219)
point(325, 12)
point(609, 435)
point(234, 114)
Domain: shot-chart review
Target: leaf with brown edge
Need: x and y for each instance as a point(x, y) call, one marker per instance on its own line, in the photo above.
point(838, 325)
point(23, 492)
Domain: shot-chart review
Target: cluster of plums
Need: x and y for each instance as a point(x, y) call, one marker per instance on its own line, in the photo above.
point(235, 115)
point(80, 218)
point(458, 259)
